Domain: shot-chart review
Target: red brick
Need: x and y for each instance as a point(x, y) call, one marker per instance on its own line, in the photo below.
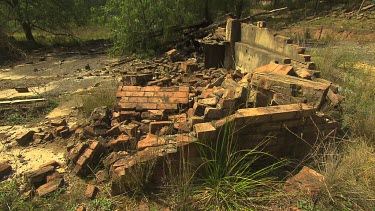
point(183, 89)
point(25, 138)
point(91, 191)
point(156, 126)
point(81, 208)
point(151, 88)
point(150, 141)
point(120, 144)
point(205, 131)
point(5, 170)
point(50, 187)
point(51, 163)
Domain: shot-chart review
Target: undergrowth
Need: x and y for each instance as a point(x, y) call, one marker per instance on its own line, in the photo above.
point(22, 115)
point(231, 178)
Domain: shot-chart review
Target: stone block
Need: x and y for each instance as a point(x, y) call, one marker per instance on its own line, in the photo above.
point(25, 138)
point(213, 113)
point(122, 143)
point(195, 120)
point(212, 101)
point(5, 170)
point(199, 109)
point(189, 66)
point(58, 122)
point(151, 141)
point(50, 187)
point(91, 191)
point(38, 177)
point(157, 126)
point(205, 131)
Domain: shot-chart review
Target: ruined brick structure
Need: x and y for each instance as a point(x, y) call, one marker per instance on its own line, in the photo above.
point(270, 93)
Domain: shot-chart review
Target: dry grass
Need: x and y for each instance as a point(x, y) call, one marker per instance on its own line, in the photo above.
point(349, 172)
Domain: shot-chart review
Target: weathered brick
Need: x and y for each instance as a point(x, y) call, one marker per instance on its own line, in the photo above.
point(38, 177)
point(25, 138)
point(5, 170)
point(150, 141)
point(213, 113)
point(50, 187)
point(91, 191)
point(205, 131)
point(58, 122)
point(120, 144)
point(156, 126)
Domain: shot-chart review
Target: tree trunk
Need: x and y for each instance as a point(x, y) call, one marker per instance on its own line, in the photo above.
point(28, 33)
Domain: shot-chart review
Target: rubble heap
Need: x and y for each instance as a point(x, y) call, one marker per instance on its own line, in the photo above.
point(166, 105)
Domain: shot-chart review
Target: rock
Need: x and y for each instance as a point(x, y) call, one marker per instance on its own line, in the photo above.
point(50, 187)
point(306, 181)
point(157, 126)
point(81, 208)
point(91, 191)
point(205, 131)
point(101, 114)
point(22, 89)
point(25, 138)
point(88, 131)
point(151, 141)
point(48, 137)
point(38, 177)
point(5, 170)
point(53, 163)
point(58, 122)
point(122, 143)
point(101, 176)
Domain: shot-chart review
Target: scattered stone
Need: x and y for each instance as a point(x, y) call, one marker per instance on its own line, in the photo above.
point(53, 163)
point(58, 122)
point(50, 187)
point(81, 208)
point(5, 170)
point(91, 191)
point(25, 138)
point(101, 176)
point(151, 141)
point(307, 181)
point(38, 177)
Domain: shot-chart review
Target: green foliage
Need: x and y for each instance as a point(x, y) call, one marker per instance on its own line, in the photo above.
point(11, 198)
point(102, 204)
point(19, 116)
point(343, 66)
point(51, 16)
point(146, 26)
point(98, 98)
point(229, 179)
point(349, 171)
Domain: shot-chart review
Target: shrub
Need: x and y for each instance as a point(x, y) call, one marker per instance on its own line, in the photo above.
point(228, 178)
point(103, 96)
point(349, 176)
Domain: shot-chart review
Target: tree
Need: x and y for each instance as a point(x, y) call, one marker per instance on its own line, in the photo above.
point(141, 25)
point(50, 16)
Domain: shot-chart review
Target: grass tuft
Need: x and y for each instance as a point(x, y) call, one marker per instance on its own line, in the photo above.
point(229, 178)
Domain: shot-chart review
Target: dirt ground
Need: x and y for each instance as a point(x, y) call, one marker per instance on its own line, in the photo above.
point(64, 74)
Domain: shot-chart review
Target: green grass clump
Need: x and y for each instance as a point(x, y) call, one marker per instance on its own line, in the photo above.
point(229, 178)
point(103, 96)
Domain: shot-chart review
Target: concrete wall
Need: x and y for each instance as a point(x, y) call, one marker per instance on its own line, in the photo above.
point(255, 46)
